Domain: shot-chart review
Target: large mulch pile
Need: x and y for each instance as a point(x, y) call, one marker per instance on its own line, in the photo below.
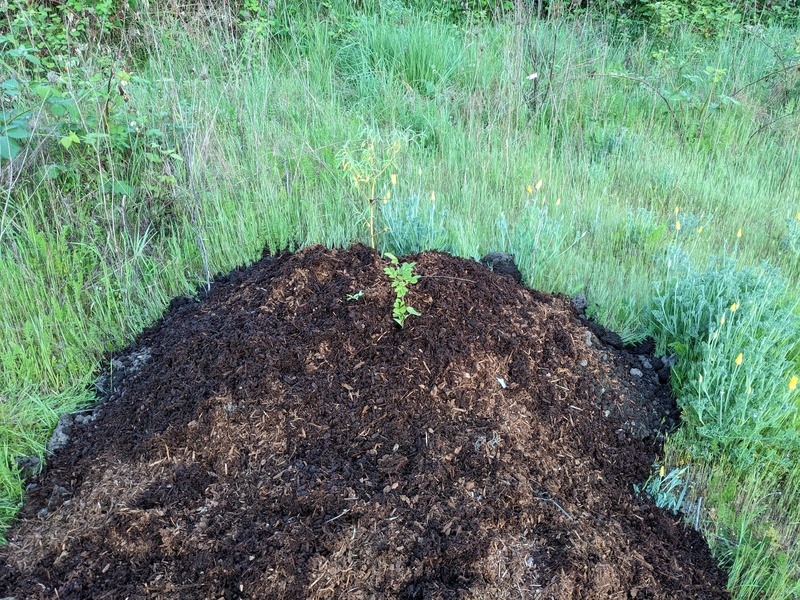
point(279, 440)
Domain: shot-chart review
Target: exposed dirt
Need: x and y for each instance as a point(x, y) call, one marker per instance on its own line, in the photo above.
point(277, 440)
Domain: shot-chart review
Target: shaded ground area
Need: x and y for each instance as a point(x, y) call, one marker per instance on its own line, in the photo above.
point(279, 440)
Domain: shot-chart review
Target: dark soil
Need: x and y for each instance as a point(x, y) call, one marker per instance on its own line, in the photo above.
point(277, 440)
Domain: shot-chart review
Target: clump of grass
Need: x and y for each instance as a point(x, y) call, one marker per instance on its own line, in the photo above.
point(539, 237)
point(424, 54)
point(413, 223)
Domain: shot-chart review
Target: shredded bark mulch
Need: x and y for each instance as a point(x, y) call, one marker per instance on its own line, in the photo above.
point(285, 438)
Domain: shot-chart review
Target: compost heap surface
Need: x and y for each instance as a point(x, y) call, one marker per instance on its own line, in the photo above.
point(281, 440)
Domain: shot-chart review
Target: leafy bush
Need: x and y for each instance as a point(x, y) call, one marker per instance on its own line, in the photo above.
point(733, 331)
point(711, 17)
point(78, 130)
point(54, 31)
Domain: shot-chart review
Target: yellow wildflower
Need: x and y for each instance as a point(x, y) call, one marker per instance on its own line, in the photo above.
point(677, 225)
point(722, 320)
point(739, 233)
point(700, 229)
point(661, 471)
point(677, 209)
point(538, 185)
point(394, 178)
point(433, 196)
point(739, 358)
point(793, 383)
point(734, 307)
point(530, 189)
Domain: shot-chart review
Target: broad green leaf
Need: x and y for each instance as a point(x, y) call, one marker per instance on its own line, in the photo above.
point(43, 91)
point(8, 148)
point(53, 171)
point(18, 132)
point(67, 141)
point(117, 187)
point(122, 187)
point(10, 87)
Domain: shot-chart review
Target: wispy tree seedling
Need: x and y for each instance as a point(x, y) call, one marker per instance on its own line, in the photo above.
point(365, 164)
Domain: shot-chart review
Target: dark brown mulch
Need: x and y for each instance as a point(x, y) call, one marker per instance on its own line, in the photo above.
point(277, 440)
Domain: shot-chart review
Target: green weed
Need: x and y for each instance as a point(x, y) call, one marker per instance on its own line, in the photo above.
point(401, 276)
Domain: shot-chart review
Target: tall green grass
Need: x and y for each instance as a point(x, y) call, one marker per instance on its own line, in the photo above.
point(641, 145)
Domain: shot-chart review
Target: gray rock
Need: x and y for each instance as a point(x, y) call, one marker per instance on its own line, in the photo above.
point(85, 419)
point(61, 433)
point(28, 466)
point(110, 382)
point(580, 303)
point(645, 362)
point(636, 373)
point(138, 359)
point(503, 264)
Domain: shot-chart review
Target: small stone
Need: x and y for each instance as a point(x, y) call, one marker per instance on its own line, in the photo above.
point(669, 361)
point(636, 373)
point(61, 433)
point(102, 384)
point(587, 337)
point(502, 263)
point(29, 466)
point(645, 362)
point(580, 303)
point(584, 363)
point(85, 419)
